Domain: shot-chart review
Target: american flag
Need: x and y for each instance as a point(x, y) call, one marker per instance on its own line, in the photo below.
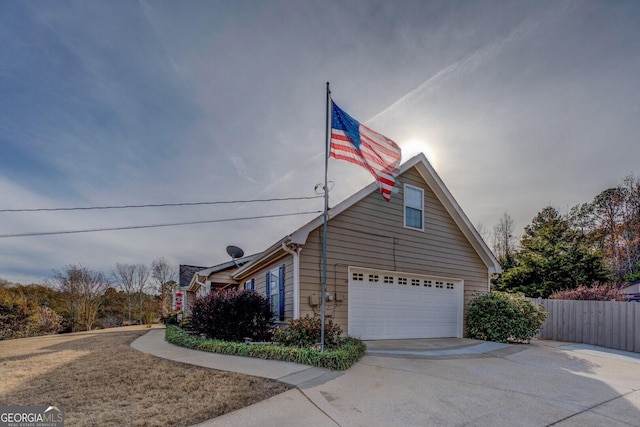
point(356, 143)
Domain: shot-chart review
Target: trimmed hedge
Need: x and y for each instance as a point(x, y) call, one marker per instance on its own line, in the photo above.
point(350, 351)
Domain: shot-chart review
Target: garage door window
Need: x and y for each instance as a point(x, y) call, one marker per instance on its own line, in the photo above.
point(413, 207)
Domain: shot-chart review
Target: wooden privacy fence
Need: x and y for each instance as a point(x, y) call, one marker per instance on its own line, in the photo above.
point(609, 324)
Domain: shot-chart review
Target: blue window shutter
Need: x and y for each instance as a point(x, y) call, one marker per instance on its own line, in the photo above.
point(252, 284)
point(281, 290)
point(268, 284)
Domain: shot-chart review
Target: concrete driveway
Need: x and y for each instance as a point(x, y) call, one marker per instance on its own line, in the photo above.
point(539, 384)
point(444, 382)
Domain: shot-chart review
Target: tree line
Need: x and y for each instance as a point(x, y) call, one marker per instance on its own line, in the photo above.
point(77, 298)
point(594, 245)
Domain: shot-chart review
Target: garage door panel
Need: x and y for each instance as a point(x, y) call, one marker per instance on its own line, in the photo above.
point(379, 310)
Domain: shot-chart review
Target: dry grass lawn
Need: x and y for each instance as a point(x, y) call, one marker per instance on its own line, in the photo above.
point(100, 379)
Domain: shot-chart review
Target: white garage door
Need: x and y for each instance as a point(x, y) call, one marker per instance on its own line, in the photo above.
point(392, 305)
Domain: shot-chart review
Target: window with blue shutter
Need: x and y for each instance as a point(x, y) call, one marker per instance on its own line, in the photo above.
point(268, 286)
point(248, 285)
point(275, 291)
point(281, 292)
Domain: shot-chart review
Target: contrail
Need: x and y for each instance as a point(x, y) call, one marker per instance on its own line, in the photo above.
point(481, 56)
point(144, 7)
point(525, 29)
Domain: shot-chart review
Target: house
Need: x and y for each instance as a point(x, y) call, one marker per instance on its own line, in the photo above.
point(185, 274)
point(632, 291)
point(407, 268)
point(198, 281)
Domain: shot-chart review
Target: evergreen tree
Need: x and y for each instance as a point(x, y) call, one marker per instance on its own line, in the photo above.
point(552, 256)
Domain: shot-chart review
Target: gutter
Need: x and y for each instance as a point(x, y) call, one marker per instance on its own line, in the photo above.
point(262, 259)
point(295, 253)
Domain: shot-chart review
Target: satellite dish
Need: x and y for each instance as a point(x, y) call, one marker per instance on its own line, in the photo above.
point(235, 252)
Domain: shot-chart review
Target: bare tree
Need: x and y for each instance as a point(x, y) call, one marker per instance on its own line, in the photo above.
point(141, 286)
point(124, 276)
point(608, 208)
point(631, 224)
point(83, 289)
point(504, 239)
point(483, 232)
point(164, 275)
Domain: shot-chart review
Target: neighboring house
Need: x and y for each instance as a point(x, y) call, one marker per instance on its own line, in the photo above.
point(631, 291)
point(185, 275)
point(200, 281)
point(407, 268)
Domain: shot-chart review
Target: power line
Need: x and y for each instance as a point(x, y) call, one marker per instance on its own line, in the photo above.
point(160, 205)
point(134, 227)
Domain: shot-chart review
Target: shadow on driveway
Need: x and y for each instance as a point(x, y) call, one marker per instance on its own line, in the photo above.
point(538, 384)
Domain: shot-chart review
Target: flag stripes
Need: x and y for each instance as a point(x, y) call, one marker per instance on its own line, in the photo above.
point(355, 143)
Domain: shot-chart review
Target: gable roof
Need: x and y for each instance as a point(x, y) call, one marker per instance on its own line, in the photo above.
point(238, 262)
point(428, 173)
point(204, 272)
point(186, 274)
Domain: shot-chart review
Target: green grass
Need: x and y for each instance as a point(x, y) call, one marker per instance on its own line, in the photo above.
point(340, 359)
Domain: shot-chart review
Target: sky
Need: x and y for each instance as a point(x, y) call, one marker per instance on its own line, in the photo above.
point(518, 105)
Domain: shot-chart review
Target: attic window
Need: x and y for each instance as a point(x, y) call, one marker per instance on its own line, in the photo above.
point(413, 207)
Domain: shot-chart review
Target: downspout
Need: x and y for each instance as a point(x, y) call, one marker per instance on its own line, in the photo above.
point(295, 253)
point(202, 285)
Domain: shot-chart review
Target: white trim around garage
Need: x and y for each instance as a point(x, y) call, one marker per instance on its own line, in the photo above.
point(395, 305)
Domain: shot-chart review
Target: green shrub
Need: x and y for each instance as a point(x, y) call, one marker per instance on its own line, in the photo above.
point(185, 324)
point(349, 352)
point(503, 317)
point(305, 333)
point(232, 315)
point(173, 318)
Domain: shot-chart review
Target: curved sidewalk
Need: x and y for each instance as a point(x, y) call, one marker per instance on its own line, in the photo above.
point(278, 410)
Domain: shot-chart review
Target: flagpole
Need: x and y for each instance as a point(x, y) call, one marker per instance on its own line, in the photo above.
point(323, 294)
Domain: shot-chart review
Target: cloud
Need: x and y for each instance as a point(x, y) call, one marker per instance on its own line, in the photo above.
point(522, 103)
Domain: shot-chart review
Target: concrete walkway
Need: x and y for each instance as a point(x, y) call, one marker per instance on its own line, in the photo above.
point(268, 412)
point(291, 373)
point(438, 382)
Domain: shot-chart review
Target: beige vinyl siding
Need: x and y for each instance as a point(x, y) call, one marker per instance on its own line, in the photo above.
point(260, 277)
point(221, 279)
point(371, 234)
